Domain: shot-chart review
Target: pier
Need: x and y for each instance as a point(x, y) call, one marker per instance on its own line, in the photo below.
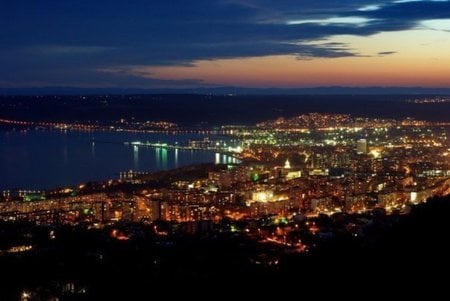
point(229, 151)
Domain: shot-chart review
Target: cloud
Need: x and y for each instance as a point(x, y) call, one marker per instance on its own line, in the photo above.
point(402, 15)
point(384, 53)
point(439, 24)
point(174, 32)
point(88, 77)
point(68, 50)
point(97, 35)
point(359, 21)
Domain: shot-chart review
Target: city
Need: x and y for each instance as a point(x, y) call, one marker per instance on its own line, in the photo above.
point(222, 145)
point(308, 165)
point(291, 172)
point(292, 184)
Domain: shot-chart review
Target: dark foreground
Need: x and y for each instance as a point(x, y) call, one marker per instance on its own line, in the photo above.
point(77, 263)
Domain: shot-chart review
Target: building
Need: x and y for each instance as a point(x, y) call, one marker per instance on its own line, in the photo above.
point(361, 146)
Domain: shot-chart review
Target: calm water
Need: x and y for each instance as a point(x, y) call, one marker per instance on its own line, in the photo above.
point(39, 160)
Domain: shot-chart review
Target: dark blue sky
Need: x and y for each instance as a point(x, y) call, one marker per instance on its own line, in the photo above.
point(125, 43)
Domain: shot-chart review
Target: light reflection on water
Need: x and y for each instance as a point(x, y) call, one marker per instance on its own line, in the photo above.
point(39, 160)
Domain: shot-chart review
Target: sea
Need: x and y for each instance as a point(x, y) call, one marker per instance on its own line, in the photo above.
point(38, 160)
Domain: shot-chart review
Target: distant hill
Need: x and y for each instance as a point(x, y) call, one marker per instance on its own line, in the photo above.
point(337, 90)
point(198, 109)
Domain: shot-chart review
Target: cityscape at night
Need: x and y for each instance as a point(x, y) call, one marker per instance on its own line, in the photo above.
point(223, 143)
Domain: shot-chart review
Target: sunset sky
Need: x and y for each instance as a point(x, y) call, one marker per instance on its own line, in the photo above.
point(207, 43)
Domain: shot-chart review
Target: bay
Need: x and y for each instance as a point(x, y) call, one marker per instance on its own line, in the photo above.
point(48, 159)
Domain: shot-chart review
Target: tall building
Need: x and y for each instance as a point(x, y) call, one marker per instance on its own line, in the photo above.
point(157, 210)
point(361, 146)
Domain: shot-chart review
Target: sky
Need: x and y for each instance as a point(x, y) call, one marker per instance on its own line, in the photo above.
point(210, 43)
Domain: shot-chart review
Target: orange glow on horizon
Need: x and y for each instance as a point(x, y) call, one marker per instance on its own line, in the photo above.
point(416, 62)
point(288, 71)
